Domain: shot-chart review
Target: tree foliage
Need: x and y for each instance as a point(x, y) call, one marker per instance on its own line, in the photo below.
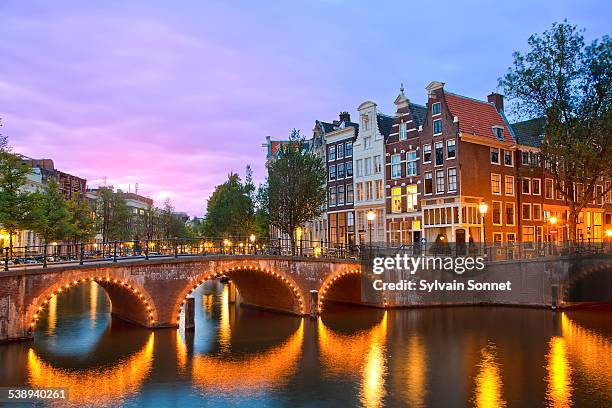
point(296, 189)
point(570, 85)
point(15, 200)
point(230, 209)
point(112, 215)
point(80, 221)
point(49, 218)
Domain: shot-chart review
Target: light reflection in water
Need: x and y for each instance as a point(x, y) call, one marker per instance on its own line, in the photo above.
point(362, 353)
point(415, 370)
point(266, 370)
point(52, 315)
point(559, 388)
point(225, 330)
point(94, 386)
point(489, 385)
point(93, 303)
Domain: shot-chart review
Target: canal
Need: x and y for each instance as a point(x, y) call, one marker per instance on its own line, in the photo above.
point(444, 357)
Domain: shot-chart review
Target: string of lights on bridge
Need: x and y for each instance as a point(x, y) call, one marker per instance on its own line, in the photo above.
point(123, 284)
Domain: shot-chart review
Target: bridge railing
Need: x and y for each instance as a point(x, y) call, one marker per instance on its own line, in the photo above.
point(113, 251)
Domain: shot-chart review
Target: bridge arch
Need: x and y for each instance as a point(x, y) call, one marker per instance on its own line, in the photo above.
point(263, 287)
point(129, 301)
point(345, 286)
point(589, 282)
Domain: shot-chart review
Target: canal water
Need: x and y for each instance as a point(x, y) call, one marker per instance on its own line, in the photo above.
point(445, 357)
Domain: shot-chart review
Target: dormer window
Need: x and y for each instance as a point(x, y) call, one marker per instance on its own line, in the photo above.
point(498, 132)
point(436, 108)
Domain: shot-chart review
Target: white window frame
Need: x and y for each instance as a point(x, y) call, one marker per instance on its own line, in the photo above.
point(539, 183)
point(409, 161)
point(523, 212)
point(436, 144)
point(511, 158)
point(443, 182)
point(534, 205)
point(499, 184)
point(498, 155)
point(396, 165)
point(501, 213)
point(403, 131)
point(448, 180)
point(513, 205)
point(425, 147)
point(448, 143)
point(523, 185)
point(433, 109)
point(506, 183)
point(425, 183)
point(433, 127)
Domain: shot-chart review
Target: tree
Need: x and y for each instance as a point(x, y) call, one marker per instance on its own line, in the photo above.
point(3, 141)
point(570, 85)
point(49, 217)
point(81, 223)
point(166, 218)
point(230, 209)
point(15, 201)
point(296, 189)
point(112, 215)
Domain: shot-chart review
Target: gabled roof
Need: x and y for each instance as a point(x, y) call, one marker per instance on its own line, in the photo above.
point(529, 132)
point(477, 117)
point(418, 113)
point(385, 122)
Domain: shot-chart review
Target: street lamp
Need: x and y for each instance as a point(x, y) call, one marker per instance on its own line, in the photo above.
point(483, 208)
point(552, 221)
point(252, 238)
point(371, 216)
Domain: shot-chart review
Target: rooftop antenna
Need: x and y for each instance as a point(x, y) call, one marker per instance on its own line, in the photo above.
point(136, 188)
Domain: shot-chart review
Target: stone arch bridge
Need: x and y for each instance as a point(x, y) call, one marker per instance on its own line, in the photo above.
point(152, 292)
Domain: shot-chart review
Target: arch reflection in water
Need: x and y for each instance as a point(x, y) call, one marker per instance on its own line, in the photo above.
point(228, 372)
point(489, 386)
point(363, 352)
point(95, 386)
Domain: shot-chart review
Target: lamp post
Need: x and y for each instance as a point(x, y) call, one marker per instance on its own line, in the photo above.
point(371, 216)
point(252, 238)
point(552, 221)
point(483, 208)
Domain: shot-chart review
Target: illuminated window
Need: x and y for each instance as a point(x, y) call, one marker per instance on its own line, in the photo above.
point(411, 196)
point(509, 185)
point(396, 199)
point(497, 211)
point(495, 183)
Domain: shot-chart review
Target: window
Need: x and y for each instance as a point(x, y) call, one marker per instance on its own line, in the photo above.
point(396, 199)
point(439, 153)
point(403, 133)
point(450, 149)
point(497, 213)
point(495, 184)
point(508, 158)
point(528, 235)
point(427, 153)
point(396, 166)
point(331, 153)
point(494, 155)
point(608, 193)
point(548, 189)
point(349, 149)
point(350, 219)
point(525, 158)
point(349, 169)
point(365, 119)
point(368, 192)
point(379, 193)
point(377, 164)
point(359, 164)
point(340, 150)
point(498, 132)
point(436, 108)
point(536, 212)
point(536, 186)
point(332, 172)
point(437, 127)
point(367, 142)
point(340, 195)
point(332, 196)
point(411, 163)
point(439, 181)
point(510, 214)
point(349, 194)
point(526, 210)
point(359, 191)
point(340, 167)
point(452, 179)
point(511, 238)
point(509, 185)
point(526, 185)
point(368, 166)
point(411, 196)
point(428, 183)
point(497, 238)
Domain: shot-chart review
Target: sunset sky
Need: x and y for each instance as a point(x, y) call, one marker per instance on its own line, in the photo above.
point(175, 95)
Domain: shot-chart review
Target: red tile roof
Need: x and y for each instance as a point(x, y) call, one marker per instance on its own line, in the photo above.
point(476, 117)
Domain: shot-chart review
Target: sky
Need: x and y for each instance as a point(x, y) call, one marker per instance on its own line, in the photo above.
point(175, 95)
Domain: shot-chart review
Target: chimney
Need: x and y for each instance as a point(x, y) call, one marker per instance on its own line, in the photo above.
point(497, 100)
point(345, 117)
